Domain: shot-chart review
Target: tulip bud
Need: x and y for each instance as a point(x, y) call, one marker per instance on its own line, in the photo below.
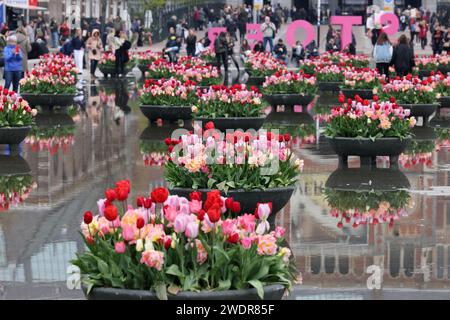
point(87, 217)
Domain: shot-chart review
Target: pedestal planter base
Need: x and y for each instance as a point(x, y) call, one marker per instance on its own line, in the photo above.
point(13, 165)
point(13, 136)
point(248, 199)
point(234, 123)
point(330, 86)
point(421, 110)
point(363, 93)
point(169, 113)
point(367, 149)
point(272, 292)
point(288, 99)
point(49, 100)
point(444, 102)
point(284, 118)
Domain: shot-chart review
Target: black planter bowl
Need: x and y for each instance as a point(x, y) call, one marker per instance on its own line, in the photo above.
point(444, 68)
point(288, 99)
point(49, 100)
point(169, 113)
point(248, 199)
point(444, 102)
point(363, 93)
point(367, 149)
point(111, 71)
point(367, 179)
point(424, 73)
point(13, 135)
point(272, 292)
point(421, 110)
point(234, 123)
point(329, 86)
point(255, 81)
point(283, 118)
point(158, 134)
point(13, 165)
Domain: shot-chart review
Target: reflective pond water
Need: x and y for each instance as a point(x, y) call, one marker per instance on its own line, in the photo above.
point(335, 220)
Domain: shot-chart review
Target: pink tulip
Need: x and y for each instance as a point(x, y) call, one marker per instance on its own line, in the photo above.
point(120, 247)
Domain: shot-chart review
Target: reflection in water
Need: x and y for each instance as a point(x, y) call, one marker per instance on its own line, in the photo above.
point(110, 139)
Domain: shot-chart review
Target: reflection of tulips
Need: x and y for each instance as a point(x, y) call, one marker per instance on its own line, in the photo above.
point(304, 133)
point(418, 152)
point(443, 139)
point(51, 139)
point(367, 207)
point(154, 154)
point(14, 190)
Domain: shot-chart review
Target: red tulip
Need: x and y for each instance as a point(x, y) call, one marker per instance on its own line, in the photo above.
point(214, 215)
point(201, 215)
point(140, 222)
point(340, 225)
point(111, 213)
point(234, 238)
point(140, 201)
point(110, 195)
point(195, 195)
point(229, 203)
point(209, 125)
point(147, 203)
point(159, 195)
point(122, 194)
point(236, 207)
point(167, 242)
point(87, 217)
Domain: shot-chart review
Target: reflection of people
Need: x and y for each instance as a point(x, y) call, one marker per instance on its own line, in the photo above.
point(122, 96)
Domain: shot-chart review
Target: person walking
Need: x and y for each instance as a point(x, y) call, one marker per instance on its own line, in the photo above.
point(230, 50)
point(220, 48)
point(122, 56)
point(382, 54)
point(403, 57)
point(78, 50)
point(437, 39)
point(64, 31)
point(25, 45)
point(3, 44)
point(13, 63)
point(95, 47)
point(54, 33)
point(191, 42)
point(268, 29)
point(423, 30)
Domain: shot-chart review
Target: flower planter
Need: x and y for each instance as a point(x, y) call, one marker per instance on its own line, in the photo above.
point(329, 86)
point(444, 102)
point(13, 135)
point(272, 292)
point(421, 110)
point(288, 99)
point(169, 113)
point(363, 93)
point(49, 100)
point(248, 199)
point(234, 123)
point(367, 179)
point(367, 149)
point(423, 133)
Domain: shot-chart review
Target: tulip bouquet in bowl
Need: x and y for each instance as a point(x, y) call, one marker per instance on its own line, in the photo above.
point(367, 207)
point(409, 90)
point(221, 101)
point(171, 92)
point(147, 57)
point(288, 82)
point(330, 73)
point(160, 69)
point(14, 111)
point(369, 119)
point(208, 56)
point(171, 245)
point(202, 75)
point(243, 161)
point(53, 74)
point(262, 64)
point(363, 79)
point(427, 63)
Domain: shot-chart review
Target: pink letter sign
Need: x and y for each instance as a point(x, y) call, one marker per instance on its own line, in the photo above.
point(299, 24)
point(347, 23)
point(390, 23)
point(213, 33)
point(254, 33)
